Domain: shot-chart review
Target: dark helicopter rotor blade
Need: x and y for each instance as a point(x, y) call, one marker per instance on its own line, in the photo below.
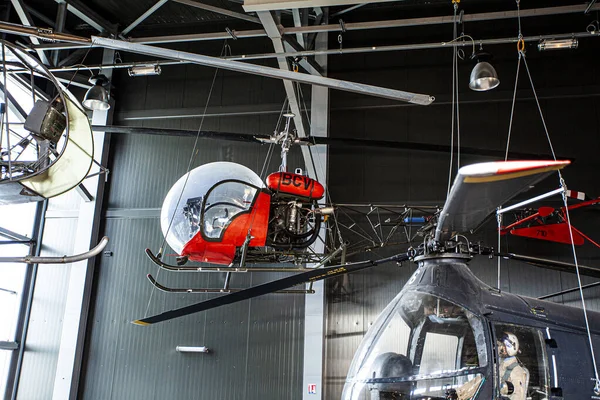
point(552, 264)
point(317, 140)
point(137, 130)
point(479, 189)
point(270, 287)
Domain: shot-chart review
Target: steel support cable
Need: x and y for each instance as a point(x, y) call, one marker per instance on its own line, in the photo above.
point(187, 175)
point(312, 160)
point(564, 195)
point(512, 109)
point(520, 47)
point(585, 314)
point(521, 54)
point(454, 62)
point(269, 155)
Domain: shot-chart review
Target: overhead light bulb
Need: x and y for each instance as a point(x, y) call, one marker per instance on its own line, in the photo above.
point(483, 77)
point(144, 70)
point(96, 98)
point(559, 44)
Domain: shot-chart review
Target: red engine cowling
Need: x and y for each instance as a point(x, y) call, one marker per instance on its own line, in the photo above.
point(296, 185)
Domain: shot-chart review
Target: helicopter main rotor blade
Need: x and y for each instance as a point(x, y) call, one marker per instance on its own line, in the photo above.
point(317, 140)
point(552, 264)
point(270, 287)
point(479, 189)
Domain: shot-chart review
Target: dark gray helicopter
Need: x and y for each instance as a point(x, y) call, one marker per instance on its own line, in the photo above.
point(438, 338)
point(443, 336)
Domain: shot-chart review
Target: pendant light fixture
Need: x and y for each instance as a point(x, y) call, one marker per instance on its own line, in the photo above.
point(483, 77)
point(96, 97)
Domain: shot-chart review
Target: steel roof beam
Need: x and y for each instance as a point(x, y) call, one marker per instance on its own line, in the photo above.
point(350, 50)
point(260, 70)
point(25, 18)
point(218, 10)
point(345, 10)
point(144, 16)
point(59, 26)
point(40, 16)
point(310, 65)
point(400, 23)
point(272, 30)
point(89, 16)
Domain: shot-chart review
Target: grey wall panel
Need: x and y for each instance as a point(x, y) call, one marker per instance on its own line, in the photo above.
point(45, 323)
point(256, 341)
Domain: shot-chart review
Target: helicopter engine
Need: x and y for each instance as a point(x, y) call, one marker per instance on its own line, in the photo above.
point(294, 221)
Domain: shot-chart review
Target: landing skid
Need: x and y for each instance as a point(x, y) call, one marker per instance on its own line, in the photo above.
point(216, 290)
point(177, 268)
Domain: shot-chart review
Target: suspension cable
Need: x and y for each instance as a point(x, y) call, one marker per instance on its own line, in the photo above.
point(454, 61)
point(537, 101)
point(512, 109)
point(521, 50)
point(187, 174)
point(585, 314)
point(321, 166)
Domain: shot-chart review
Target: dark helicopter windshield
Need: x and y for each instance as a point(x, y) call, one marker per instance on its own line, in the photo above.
point(419, 347)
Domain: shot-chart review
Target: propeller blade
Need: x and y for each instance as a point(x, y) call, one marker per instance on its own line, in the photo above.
point(270, 287)
point(552, 264)
point(479, 189)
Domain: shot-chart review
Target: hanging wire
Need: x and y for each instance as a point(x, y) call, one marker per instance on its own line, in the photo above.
point(512, 109)
point(268, 157)
point(585, 314)
point(81, 65)
point(499, 219)
point(521, 50)
point(457, 112)
point(187, 175)
point(537, 101)
point(322, 168)
point(454, 62)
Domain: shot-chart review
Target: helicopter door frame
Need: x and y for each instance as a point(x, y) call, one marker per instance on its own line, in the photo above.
point(246, 211)
point(538, 366)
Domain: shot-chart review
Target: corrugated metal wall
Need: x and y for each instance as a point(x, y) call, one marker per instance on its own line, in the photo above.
point(396, 176)
point(256, 347)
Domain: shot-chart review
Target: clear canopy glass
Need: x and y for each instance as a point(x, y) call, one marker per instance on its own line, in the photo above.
point(419, 347)
point(180, 217)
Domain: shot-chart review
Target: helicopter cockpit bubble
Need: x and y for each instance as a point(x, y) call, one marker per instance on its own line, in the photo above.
point(180, 217)
point(443, 343)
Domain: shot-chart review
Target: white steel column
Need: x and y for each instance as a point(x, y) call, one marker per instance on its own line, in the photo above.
point(314, 308)
point(70, 354)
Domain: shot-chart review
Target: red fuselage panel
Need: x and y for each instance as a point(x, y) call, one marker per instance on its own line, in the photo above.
point(222, 250)
point(296, 185)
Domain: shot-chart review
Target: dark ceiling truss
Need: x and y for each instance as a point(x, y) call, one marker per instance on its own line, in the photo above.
point(25, 18)
point(48, 21)
point(492, 16)
point(89, 16)
point(589, 6)
point(300, 55)
point(218, 10)
point(143, 17)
